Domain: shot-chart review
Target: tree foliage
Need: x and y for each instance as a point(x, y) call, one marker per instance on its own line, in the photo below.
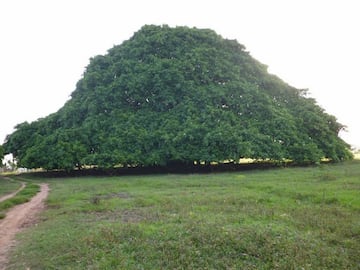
point(178, 95)
point(1, 154)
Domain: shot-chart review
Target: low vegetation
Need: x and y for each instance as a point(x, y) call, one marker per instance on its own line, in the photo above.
point(290, 218)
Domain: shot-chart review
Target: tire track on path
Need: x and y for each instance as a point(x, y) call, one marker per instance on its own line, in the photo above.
point(8, 196)
point(18, 218)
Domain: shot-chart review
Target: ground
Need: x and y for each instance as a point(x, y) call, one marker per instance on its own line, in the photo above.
point(18, 218)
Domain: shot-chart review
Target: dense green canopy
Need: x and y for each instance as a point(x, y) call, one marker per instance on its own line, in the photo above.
point(1, 154)
point(178, 95)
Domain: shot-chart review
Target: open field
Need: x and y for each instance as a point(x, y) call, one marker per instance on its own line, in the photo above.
point(291, 218)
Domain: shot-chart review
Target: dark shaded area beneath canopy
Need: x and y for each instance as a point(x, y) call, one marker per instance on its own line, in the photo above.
point(176, 168)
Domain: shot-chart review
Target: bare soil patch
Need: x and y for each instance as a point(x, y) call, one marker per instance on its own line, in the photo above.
point(18, 218)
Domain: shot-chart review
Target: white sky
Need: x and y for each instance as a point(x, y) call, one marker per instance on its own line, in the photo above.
point(46, 44)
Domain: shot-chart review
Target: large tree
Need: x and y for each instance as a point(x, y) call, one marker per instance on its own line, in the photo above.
point(178, 95)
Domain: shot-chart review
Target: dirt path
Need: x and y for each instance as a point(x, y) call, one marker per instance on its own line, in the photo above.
point(17, 218)
point(8, 196)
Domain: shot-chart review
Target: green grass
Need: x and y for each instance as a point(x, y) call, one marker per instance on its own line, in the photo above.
point(8, 185)
point(292, 218)
point(22, 196)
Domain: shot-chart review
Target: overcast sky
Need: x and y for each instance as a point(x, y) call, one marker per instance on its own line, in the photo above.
point(46, 44)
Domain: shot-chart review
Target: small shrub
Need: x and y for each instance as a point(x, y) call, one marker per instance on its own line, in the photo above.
point(95, 200)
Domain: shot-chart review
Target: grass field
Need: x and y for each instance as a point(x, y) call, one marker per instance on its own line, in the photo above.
point(291, 218)
point(8, 186)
